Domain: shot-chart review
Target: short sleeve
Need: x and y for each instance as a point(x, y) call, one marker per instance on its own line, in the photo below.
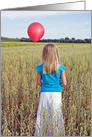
point(39, 68)
point(62, 68)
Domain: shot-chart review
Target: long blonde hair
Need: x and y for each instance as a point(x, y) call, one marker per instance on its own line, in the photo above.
point(50, 59)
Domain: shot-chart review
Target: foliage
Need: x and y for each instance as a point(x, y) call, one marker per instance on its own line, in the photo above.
point(61, 40)
point(5, 39)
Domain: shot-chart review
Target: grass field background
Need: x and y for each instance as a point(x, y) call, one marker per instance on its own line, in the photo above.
point(20, 93)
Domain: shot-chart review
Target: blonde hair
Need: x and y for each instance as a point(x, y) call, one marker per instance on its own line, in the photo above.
point(50, 59)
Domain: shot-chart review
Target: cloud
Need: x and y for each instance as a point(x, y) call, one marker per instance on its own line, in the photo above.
point(86, 23)
point(86, 30)
point(30, 14)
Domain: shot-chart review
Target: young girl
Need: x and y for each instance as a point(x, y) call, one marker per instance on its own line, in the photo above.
point(51, 77)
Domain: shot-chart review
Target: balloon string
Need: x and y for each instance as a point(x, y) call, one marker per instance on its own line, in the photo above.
point(25, 50)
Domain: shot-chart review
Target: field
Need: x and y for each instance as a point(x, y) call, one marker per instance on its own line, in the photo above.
point(20, 93)
point(5, 39)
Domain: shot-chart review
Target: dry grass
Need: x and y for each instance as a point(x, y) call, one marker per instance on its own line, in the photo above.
point(20, 93)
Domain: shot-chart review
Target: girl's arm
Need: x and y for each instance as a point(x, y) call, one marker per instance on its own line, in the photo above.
point(63, 78)
point(39, 79)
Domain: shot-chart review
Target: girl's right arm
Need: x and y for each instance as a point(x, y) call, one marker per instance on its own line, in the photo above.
point(63, 78)
point(39, 79)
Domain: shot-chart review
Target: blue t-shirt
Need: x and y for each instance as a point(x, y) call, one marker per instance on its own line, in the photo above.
point(51, 82)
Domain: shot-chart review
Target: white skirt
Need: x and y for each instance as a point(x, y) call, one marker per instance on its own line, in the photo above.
point(49, 115)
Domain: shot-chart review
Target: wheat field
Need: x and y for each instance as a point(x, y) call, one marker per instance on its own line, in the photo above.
point(20, 93)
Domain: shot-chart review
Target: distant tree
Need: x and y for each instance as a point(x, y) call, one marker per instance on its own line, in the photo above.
point(73, 40)
point(81, 41)
point(22, 39)
point(89, 41)
point(66, 39)
point(62, 40)
point(77, 41)
point(29, 40)
point(70, 41)
point(86, 40)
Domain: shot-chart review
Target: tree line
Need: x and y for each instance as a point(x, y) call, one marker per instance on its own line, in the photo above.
point(61, 40)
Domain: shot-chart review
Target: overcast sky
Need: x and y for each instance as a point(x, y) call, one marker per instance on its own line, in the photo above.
point(57, 24)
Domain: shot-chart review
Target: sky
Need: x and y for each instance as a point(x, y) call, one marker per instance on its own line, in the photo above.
point(57, 24)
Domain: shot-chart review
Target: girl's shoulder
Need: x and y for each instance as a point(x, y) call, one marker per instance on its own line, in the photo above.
point(61, 67)
point(39, 68)
point(40, 65)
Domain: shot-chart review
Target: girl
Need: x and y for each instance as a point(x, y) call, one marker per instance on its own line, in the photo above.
point(51, 77)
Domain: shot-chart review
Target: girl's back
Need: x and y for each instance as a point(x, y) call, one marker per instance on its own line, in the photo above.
point(51, 82)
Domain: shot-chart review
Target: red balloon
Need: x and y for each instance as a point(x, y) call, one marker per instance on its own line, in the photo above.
point(35, 31)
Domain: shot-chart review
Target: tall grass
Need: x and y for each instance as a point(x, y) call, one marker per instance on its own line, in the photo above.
point(20, 93)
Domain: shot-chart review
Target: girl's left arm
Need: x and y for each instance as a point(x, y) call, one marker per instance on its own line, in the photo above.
point(39, 79)
point(64, 82)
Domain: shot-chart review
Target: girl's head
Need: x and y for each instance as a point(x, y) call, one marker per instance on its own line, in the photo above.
point(50, 59)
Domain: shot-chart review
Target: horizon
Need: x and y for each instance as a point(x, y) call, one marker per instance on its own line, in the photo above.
point(41, 38)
